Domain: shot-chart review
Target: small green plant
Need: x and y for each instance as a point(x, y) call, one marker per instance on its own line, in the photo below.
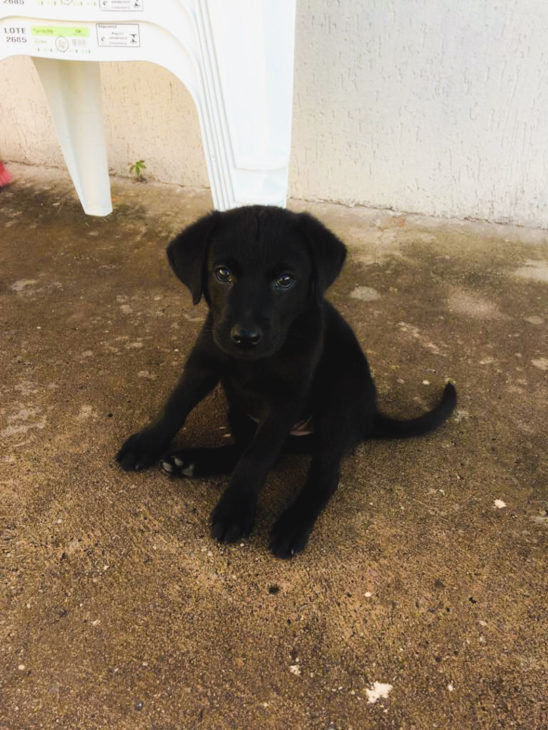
point(137, 170)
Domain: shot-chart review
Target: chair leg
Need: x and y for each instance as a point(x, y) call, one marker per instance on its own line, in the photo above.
point(73, 89)
point(250, 88)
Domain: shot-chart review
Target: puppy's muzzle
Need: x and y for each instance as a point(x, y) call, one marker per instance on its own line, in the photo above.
point(245, 337)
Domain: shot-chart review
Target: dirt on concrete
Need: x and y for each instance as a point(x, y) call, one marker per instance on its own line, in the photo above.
point(421, 599)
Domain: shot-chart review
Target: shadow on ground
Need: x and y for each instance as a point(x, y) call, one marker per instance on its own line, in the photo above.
point(426, 573)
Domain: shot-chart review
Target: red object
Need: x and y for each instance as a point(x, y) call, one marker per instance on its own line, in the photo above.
point(5, 177)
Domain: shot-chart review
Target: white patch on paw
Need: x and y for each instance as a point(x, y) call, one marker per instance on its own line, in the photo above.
point(166, 466)
point(189, 470)
point(177, 461)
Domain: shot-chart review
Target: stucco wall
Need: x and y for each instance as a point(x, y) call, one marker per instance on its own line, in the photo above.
point(429, 106)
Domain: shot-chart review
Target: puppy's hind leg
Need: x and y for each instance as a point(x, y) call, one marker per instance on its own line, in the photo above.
point(204, 462)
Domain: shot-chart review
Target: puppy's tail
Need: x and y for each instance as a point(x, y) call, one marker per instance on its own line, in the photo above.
point(385, 427)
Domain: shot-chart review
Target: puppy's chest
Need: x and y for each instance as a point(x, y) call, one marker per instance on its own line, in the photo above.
point(255, 390)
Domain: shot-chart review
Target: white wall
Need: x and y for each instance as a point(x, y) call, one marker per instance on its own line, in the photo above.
point(431, 106)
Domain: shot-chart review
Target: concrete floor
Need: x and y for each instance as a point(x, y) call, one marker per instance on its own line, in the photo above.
point(427, 571)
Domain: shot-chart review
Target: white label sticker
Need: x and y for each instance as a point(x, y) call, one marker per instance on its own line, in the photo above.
point(118, 34)
point(60, 39)
point(129, 6)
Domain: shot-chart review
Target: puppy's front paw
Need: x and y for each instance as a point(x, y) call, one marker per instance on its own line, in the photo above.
point(289, 535)
point(139, 452)
point(233, 517)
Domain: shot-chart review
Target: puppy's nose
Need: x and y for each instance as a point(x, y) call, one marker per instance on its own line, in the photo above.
point(245, 336)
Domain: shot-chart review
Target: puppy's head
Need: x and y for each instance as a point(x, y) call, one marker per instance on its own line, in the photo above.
point(259, 268)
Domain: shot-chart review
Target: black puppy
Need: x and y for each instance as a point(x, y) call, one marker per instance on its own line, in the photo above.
point(293, 372)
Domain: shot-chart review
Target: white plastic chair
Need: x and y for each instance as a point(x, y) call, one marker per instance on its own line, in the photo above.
point(234, 56)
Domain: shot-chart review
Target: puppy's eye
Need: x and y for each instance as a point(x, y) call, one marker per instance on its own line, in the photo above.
point(284, 281)
point(223, 274)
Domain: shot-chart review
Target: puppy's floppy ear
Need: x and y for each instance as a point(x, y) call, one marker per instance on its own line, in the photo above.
point(187, 254)
point(326, 251)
